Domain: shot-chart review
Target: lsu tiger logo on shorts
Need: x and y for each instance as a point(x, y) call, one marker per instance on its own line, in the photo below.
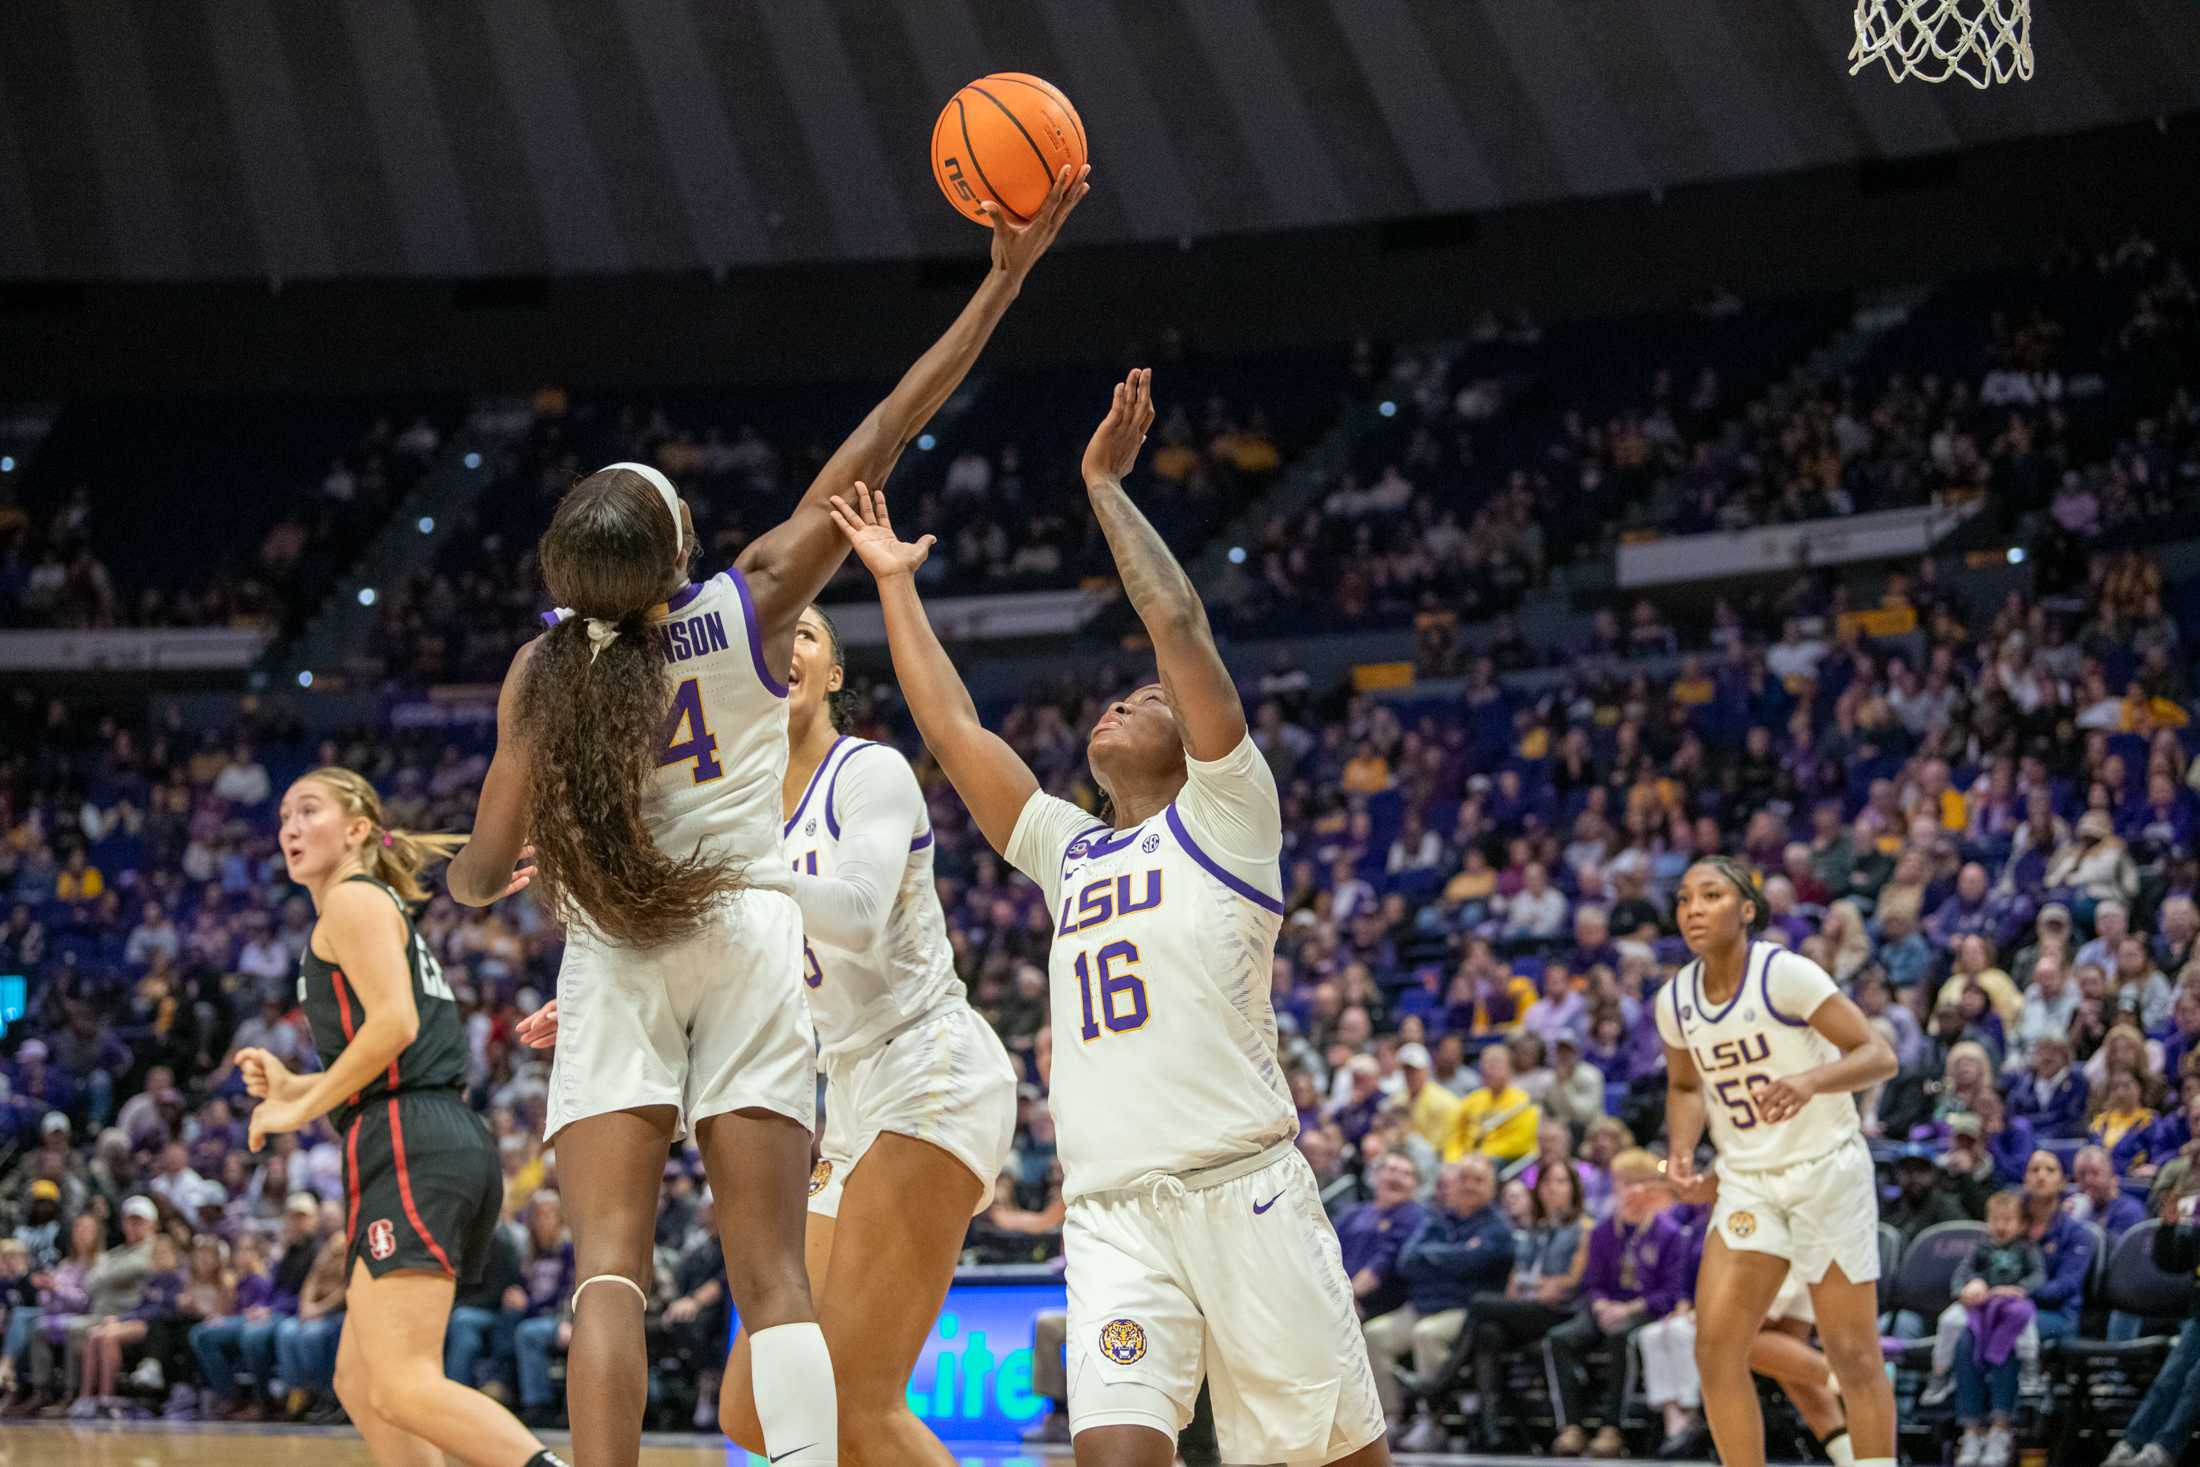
point(819, 1176)
point(381, 1239)
point(1123, 1341)
point(1742, 1224)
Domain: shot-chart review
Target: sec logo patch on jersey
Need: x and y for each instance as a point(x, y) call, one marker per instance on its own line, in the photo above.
point(1123, 1341)
point(1742, 1224)
point(381, 1239)
point(819, 1176)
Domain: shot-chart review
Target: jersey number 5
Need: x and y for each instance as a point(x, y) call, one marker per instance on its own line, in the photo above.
point(1122, 1000)
point(688, 738)
point(1735, 1093)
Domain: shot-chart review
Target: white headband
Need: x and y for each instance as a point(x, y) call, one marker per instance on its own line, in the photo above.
point(602, 634)
point(665, 491)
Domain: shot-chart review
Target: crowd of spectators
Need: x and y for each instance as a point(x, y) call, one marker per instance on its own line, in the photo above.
point(54, 558)
point(1486, 475)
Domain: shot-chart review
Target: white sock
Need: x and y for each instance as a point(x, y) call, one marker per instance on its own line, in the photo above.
point(1838, 1450)
point(792, 1376)
point(1878, 1461)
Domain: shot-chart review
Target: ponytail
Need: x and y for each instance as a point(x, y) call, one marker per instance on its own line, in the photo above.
point(593, 708)
point(396, 858)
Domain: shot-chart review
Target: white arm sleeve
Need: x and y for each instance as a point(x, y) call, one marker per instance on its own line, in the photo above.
point(1230, 805)
point(1795, 986)
point(1044, 829)
point(881, 812)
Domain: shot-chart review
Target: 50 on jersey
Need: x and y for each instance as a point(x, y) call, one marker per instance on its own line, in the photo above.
point(1111, 992)
point(1716, 1064)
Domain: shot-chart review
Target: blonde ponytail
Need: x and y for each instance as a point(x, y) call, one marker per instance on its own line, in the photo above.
point(396, 858)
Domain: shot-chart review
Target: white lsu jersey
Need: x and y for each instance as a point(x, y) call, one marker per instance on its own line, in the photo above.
point(1164, 936)
point(860, 844)
point(1762, 1033)
point(724, 755)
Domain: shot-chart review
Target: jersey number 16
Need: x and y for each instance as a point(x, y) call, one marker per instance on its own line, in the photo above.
point(1121, 1005)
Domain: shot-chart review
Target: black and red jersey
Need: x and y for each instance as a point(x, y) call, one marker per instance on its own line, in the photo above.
point(435, 1060)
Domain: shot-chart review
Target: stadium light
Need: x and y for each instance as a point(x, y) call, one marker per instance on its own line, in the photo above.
point(7, 463)
point(927, 442)
point(2016, 555)
point(366, 595)
point(305, 679)
point(1387, 408)
point(427, 524)
point(1237, 555)
point(473, 460)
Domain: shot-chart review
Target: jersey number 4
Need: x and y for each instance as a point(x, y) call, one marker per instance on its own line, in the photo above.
point(1121, 1004)
point(687, 738)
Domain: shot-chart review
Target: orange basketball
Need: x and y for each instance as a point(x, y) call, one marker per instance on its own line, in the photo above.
point(1004, 138)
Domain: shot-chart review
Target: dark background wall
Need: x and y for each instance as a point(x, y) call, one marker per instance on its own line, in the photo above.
point(1858, 223)
point(249, 139)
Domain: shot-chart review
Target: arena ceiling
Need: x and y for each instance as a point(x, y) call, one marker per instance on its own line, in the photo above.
point(305, 139)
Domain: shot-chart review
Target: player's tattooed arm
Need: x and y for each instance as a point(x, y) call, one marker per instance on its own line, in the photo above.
point(1202, 695)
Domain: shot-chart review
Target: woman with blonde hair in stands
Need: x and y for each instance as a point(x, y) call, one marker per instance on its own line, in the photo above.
point(1969, 1069)
point(1844, 930)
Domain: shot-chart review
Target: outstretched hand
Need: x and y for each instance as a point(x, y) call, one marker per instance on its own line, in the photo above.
point(1115, 443)
point(870, 533)
point(1017, 247)
point(539, 1030)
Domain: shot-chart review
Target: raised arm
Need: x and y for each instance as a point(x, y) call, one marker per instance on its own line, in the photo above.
point(993, 781)
point(482, 871)
point(881, 815)
point(788, 565)
point(1202, 696)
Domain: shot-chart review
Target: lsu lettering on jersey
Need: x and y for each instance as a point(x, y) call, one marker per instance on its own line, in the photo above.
point(724, 751)
point(1164, 934)
point(1762, 1033)
point(860, 842)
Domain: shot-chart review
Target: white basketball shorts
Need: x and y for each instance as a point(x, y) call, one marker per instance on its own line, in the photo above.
point(1240, 1281)
point(712, 1023)
point(946, 1080)
point(1814, 1214)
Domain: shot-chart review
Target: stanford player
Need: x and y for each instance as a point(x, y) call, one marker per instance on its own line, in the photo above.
point(421, 1183)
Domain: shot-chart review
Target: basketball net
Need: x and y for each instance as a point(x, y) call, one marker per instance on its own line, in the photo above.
point(1983, 41)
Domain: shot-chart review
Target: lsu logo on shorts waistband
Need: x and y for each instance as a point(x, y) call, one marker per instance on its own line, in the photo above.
point(819, 1176)
point(1742, 1224)
point(1123, 1341)
point(381, 1239)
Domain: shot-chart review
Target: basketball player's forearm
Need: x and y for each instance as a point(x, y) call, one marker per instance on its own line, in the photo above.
point(934, 691)
point(380, 1040)
point(1159, 591)
point(1684, 1120)
point(1858, 1069)
point(927, 385)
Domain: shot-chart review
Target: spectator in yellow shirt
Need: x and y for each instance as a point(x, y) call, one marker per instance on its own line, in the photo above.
point(79, 881)
point(1498, 1121)
point(1431, 1109)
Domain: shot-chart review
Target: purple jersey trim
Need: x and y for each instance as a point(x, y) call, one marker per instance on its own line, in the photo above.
point(811, 788)
point(1243, 888)
point(832, 820)
point(771, 684)
point(920, 843)
point(1764, 984)
point(1703, 1005)
point(684, 595)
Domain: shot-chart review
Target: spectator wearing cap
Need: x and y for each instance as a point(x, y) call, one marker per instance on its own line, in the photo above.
point(1922, 1197)
point(1373, 1234)
point(39, 1083)
point(2053, 1097)
point(1575, 1096)
point(1431, 1109)
point(2096, 1196)
point(2051, 934)
point(114, 1286)
point(1498, 1120)
point(53, 1160)
point(242, 1345)
point(41, 1232)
